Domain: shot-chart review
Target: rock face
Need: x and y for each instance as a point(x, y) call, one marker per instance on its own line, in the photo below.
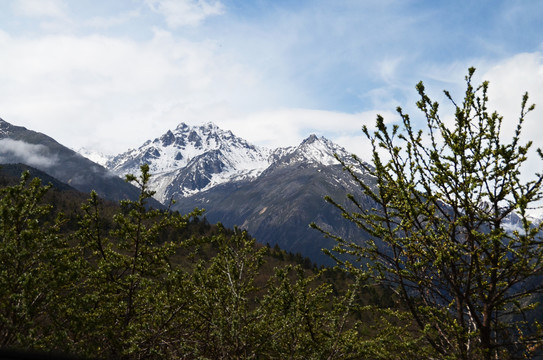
point(279, 205)
point(20, 145)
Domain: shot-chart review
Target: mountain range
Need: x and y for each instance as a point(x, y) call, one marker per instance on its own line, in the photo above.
point(190, 159)
point(273, 193)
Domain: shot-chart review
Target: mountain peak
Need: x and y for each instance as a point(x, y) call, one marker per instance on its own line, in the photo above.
point(191, 158)
point(167, 139)
point(195, 158)
point(210, 125)
point(181, 126)
point(95, 156)
point(310, 139)
point(314, 151)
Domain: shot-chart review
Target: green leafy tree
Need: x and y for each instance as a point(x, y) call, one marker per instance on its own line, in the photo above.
point(293, 315)
point(131, 283)
point(32, 271)
point(441, 202)
point(130, 293)
point(223, 306)
point(304, 320)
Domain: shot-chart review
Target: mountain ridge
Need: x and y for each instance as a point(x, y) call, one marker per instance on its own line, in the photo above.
point(193, 158)
point(273, 193)
point(21, 145)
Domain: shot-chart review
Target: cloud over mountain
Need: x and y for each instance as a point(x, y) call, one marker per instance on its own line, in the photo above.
point(16, 151)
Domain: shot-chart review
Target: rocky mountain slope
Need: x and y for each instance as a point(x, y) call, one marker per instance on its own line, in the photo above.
point(275, 194)
point(278, 206)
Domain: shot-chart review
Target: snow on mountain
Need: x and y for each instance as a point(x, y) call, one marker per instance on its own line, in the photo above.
point(192, 159)
point(4, 128)
point(176, 149)
point(313, 150)
point(95, 156)
point(513, 222)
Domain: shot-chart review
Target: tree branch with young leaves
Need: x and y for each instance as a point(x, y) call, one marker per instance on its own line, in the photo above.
point(442, 198)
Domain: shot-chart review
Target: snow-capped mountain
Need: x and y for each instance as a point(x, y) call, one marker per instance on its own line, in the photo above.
point(190, 159)
point(274, 194)
point(312, 151)
point(177, 149)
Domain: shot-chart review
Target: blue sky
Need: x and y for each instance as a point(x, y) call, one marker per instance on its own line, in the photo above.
point(108, 75)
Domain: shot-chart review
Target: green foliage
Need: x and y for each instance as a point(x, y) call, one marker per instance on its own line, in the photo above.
point(133, 282)
point(442, 198)
point(126, 302)
point(31, 258)
point(222, 297)
point(304, 321)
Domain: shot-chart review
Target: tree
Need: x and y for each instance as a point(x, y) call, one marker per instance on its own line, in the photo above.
point(132, 282)
point(439, 225)
point(129, 290)
point(32, 275)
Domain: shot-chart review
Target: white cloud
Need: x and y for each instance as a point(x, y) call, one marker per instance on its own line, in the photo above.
point(509, 80)
point(78, 89)
point(102, 22)
point(110, 93)
point(388, 69)
point(40, 8)
point(14, 151)
point(186, 12)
